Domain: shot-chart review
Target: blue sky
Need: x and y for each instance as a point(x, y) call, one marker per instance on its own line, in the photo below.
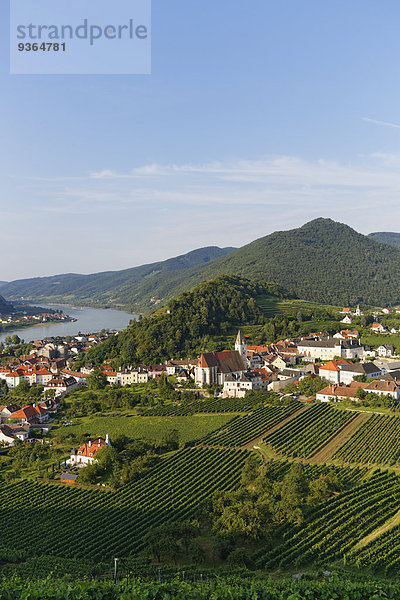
point(257, 117)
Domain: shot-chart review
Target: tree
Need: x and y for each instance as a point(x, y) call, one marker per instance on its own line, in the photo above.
point(88, 474)
point(360, 394)
point(97, 380)
point(238, 558)
point(197, 553)
point(171, 439)
point(250, 470)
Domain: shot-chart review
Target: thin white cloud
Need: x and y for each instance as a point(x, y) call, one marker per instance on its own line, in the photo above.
point(384, 123)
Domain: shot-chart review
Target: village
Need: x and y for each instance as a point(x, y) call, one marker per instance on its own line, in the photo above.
point(349, 369)
point(19, 317)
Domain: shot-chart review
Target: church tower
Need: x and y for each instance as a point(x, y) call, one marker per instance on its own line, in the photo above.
point(241, 347)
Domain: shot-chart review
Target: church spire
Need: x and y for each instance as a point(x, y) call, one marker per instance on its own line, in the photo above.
point(241, 347)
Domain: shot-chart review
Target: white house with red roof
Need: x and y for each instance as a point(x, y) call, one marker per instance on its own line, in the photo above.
point(378, 328)
point(331, 371)
point(85, 455)
point(31, 413)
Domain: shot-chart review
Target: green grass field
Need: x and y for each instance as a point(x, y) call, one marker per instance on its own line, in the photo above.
point(190, 428)
point(376, 339)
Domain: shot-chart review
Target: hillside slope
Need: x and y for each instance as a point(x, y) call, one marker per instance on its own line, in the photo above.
point(386, 237)
point(134, 289)
point(5, 307)
point(324, 261)
point(189, 324)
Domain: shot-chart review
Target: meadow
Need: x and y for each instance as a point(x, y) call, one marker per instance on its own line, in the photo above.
point(151, 428)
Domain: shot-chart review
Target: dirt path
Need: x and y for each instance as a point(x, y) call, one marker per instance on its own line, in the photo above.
point(329, 447)
point(259, 439)
point(389, 524)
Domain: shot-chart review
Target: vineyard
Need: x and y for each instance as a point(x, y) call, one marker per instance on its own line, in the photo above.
point(241, 430)
point(332, 529)
point(303, 435)
point(96, 524)
point(234, 588)
point(383, 553)
point(377, 441)
point(212, 405)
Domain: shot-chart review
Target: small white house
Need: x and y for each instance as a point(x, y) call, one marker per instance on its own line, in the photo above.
point(85, 455)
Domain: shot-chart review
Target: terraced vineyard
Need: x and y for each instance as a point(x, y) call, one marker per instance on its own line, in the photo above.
point(212, 405)
point(382, 553)
point(334, 528)
point(95, 524)
point(377, 441)
point(304, 434)
point(241, 430)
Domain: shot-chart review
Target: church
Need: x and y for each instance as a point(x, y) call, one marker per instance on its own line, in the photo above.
point(214, 367)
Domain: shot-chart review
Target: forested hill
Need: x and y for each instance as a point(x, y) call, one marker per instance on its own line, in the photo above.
point(134, 289)
point(5, 307)
point(186, 326)
point(386, 237)
point(323, 261)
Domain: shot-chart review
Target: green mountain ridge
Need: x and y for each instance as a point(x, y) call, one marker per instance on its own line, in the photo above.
point(133, 289)
point(322, 261)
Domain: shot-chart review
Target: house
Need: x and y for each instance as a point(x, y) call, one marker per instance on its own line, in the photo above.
point(61, 386)
point(30, 414)
point(68, 478)
point(383, 388)
point(236, 386)
point(346, 334)
point(331, 370)
point(345, 311)
point(335, 393)
point(6, 436)
point(385, 351)
point(368, 369)
point(378, 328)
point(6, 411)
point(387, 311)
point(85, 455)
point(79, 377)
point(348, 320)
point(330, 348)
point(10, 433)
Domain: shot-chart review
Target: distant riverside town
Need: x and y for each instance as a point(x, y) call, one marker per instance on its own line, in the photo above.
point(350, 370)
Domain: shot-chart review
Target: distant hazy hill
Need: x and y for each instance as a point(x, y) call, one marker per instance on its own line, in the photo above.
point(134, 288)
point(386, 237)
point(324, 261)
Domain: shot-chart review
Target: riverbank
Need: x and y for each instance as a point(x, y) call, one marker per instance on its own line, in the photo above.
point(85, 320)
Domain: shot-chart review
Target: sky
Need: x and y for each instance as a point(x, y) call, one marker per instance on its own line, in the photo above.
point(258, 116)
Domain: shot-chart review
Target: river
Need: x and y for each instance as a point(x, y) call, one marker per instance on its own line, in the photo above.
point(88, 320)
